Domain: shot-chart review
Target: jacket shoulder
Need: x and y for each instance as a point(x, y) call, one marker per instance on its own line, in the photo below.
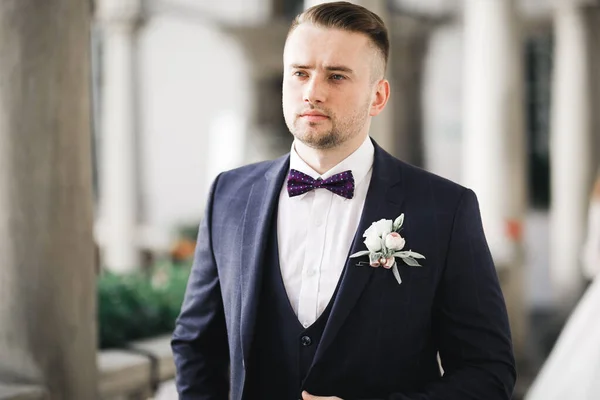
point(437, 182)
point(426, 184)
point(241, 179)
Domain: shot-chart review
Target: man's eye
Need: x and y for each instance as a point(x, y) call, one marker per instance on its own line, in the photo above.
point(337, 77)
point(299, 73)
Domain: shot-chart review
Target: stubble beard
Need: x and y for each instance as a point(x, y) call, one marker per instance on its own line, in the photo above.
point(318, 139)
point(335, 136)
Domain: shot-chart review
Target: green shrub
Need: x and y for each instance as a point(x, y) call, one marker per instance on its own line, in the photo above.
point(139, 305)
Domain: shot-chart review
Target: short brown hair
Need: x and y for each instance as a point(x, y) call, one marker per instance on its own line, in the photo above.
point(348, 17)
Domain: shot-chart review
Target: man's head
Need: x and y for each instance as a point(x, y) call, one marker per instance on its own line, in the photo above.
point(334, 64)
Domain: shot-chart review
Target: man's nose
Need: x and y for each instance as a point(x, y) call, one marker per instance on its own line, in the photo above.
point(314, 92)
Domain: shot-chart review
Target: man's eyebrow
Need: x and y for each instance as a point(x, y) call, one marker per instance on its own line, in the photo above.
point(300, 66)
point(340, 68)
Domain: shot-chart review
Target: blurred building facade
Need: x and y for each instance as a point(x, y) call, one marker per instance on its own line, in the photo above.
point(500, 96)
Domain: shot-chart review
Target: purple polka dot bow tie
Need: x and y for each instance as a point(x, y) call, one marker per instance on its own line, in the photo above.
point(341, 184)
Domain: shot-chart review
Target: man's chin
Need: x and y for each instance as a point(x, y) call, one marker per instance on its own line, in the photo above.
point(320, 142)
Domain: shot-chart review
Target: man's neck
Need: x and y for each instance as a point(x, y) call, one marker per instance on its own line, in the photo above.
point(322, 160)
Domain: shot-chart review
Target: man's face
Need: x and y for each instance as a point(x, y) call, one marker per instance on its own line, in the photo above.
point(328, 85)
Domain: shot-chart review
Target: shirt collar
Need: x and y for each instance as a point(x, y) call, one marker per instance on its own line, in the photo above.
point(359, 162)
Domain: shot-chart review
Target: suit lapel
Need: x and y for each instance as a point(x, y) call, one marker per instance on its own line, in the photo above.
point(262, 200)
point(378, 205)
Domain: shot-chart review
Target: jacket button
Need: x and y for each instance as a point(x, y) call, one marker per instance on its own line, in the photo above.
point(306, 340)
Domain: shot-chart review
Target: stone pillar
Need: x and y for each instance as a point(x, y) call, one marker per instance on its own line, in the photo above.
point(47, 274)
point(442, 113)
point(407, 77)
point(226, 129)
point(494, 143)
point(382, 126)
point(572, 147)
point(118, 204)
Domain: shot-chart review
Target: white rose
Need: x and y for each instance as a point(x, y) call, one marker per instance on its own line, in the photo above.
point(373, 242)
point(380, 228)
point(372, 230)
point(384, 227)
point(394, 241)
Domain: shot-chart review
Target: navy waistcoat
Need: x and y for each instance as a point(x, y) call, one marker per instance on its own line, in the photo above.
point(282, 350)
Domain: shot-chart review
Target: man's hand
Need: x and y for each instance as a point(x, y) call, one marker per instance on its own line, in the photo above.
point(308, 396)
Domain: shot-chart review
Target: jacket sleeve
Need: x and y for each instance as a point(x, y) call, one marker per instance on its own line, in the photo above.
point(199, 342)
point(470, 321)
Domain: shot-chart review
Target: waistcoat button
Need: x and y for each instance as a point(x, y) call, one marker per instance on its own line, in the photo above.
point(306, 340)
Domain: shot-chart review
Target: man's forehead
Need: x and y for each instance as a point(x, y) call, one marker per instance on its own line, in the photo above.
point(329, 45)
point(310, 28)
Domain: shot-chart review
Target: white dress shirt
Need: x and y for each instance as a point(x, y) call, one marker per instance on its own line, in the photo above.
point(315, 231)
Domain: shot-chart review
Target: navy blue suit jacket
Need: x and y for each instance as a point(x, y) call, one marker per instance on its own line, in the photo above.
point(381, 338)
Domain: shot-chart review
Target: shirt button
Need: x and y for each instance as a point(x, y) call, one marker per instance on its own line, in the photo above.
point(306, 341)
point(319, 222)
point(311, 272)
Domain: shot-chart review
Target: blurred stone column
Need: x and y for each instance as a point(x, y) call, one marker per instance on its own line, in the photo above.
point(572, 147)
point(406, 72)
point(494, 142)
point(47, 274)
point(382, 126)
point(119, 20)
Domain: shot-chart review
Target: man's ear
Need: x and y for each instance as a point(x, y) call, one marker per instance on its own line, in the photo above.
point(381, 97)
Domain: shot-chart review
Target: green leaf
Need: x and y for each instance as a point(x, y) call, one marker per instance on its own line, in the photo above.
point(401, 254)
point(398, 222)
point(396, 273)
point(384, 250)
point(360, 253)
point(412, 262)
point(375, 257)
point(415, 255)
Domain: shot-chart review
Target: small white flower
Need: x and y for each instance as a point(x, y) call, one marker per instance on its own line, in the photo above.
point(373, 242)
point(394, 241)
point(381, 228)
point(384, 227)
point(372, 230)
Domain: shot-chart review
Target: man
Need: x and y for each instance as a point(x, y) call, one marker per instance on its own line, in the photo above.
point(275, 307)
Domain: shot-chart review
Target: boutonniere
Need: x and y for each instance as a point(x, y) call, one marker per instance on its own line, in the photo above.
point(385, 244)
